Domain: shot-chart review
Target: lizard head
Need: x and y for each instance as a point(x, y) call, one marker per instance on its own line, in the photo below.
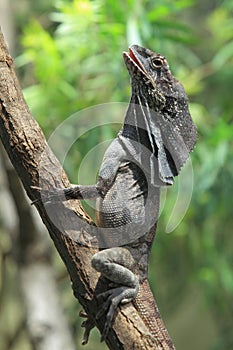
point(166, 106)
point(150, 72)
point(146, 65)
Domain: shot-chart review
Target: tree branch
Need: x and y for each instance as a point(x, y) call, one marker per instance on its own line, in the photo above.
point(37, 165)
point(45, 320)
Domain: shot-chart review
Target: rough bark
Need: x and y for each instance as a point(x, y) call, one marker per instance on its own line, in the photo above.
point(45, 320)
point(36, 165)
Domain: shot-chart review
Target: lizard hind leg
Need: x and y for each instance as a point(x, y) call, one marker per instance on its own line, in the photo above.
point(115, 264)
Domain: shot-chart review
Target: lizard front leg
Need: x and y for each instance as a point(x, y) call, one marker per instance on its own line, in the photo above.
point(64, 194)
point(115, 264)
point(111, 162)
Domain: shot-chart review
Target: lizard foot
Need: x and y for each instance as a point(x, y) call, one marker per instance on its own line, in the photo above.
point(114, 298)
point(47, 196)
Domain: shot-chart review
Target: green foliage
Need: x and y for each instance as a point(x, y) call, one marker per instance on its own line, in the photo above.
point(75, 61)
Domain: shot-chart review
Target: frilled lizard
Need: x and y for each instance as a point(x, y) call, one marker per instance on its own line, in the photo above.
point(157, 136)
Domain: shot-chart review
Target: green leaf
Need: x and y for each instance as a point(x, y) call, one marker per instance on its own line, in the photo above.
point(223, 55)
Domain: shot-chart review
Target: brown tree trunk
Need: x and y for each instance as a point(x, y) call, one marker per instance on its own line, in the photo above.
point(46, 323)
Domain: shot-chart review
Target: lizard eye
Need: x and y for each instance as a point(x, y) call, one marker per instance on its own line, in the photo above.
point(156, 63)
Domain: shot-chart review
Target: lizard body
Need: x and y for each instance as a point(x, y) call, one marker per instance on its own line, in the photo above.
point(157, 136)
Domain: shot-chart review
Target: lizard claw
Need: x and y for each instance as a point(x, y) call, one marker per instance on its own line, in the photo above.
point(37, 200)
point(46, 196)
point(88, 324)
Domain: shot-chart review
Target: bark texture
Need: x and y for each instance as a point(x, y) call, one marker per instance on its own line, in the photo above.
point(46, 324)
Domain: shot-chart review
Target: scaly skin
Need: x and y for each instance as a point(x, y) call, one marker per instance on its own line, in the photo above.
point(157, 136)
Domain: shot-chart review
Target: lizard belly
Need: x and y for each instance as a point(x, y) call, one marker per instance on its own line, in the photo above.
point(124, 202)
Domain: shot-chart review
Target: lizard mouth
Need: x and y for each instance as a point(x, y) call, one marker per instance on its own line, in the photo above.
point(131, 59)
point(134, 58)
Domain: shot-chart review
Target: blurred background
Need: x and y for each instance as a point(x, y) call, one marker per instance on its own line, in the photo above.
point(68, 56)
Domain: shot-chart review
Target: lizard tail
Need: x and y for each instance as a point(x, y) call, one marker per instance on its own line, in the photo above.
point(149, 312)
